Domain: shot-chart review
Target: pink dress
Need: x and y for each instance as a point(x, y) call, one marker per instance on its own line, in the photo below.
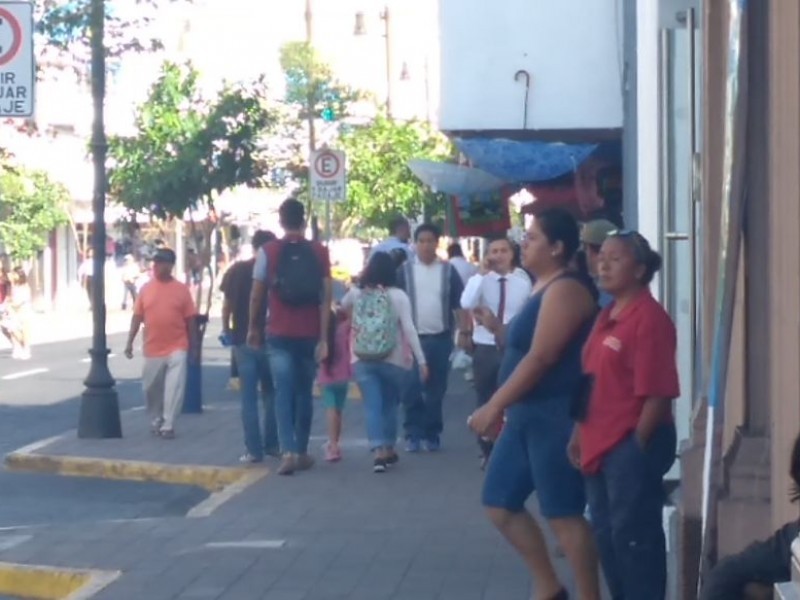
point(340, 371)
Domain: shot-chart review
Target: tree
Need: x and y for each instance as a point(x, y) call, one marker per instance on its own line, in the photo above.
point(379, 182)
point(312, 93)
point(187, 149)
point(64, 26)
point(31, 206)
point(311, 85)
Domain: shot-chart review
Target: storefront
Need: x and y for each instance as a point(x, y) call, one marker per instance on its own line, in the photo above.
point(762, 400)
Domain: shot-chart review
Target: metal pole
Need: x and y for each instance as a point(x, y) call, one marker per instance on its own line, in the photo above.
point(694, 311)
point(386, 16)
point(99, 413)
point(310, 118)
point(328, 220)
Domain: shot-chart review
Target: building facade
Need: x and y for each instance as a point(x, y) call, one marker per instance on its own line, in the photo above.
point(762, 403)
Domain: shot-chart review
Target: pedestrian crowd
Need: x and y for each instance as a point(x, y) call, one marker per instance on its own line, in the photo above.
point(573, 365)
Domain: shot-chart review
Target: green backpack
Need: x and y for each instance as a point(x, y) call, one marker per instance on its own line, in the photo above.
point(374, 325)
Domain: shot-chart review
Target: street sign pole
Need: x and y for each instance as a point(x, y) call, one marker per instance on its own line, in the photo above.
point(328, 220)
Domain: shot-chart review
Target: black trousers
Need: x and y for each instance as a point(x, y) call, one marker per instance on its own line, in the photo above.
point(767, 562)
point(485, 368)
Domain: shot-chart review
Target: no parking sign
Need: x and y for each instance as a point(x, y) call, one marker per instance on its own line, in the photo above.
point(328, 181)
point(17, 71)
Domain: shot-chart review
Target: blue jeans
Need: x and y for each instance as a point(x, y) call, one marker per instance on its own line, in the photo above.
point(626, 500)
point(293, 367)
point(253, 367)
point(423, 401)
point(381, 385)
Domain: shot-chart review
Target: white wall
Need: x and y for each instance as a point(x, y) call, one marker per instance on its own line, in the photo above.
point(649, 223)
point(571, 48)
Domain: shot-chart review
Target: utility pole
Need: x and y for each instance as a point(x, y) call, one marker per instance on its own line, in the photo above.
point(310, 116)
point(387, 34)
point(99, 413)
point(312, 135)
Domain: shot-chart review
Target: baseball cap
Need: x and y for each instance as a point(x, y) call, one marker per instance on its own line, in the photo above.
point(164, 255)
point(595, 232)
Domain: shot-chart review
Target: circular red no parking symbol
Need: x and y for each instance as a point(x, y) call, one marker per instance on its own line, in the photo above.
point(8, 52)
point(327, 165)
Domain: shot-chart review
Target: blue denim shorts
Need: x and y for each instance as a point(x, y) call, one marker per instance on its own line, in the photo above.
point(531, 455)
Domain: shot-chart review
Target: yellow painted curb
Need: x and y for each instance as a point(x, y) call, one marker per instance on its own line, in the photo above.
point(212, 479)
point(51, 583)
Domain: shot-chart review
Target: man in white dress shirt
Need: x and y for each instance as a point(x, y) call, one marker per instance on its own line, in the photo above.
point(495, 287)
point(434, 288)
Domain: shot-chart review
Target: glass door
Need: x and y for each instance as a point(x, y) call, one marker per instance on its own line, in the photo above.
point(679, 214)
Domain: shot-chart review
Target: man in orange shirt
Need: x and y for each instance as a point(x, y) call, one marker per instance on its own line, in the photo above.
point(166, 308)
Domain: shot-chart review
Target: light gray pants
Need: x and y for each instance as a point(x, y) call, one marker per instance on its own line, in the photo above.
point(164, 385)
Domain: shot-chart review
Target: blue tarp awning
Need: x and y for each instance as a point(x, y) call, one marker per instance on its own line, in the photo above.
point(524, 161)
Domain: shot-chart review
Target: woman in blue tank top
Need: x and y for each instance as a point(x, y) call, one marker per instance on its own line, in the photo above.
point(539, 375)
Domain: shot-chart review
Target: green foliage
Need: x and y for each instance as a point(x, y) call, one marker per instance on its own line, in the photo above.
point(31, 206)
point(379, 182)
point(188, 150)
point(310, 83)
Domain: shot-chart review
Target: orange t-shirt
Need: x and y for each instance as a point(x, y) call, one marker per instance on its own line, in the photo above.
point(164, 306)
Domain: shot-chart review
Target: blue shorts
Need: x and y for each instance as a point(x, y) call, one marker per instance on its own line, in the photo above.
point(531, 455)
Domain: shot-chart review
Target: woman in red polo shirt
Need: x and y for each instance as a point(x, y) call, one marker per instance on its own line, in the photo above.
point(626, 443)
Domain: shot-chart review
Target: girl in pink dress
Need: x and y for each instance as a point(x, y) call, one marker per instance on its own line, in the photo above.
point(334, 380)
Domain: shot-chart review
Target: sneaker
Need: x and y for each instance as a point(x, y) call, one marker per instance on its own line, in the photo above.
point(392, 459)
point(305, 462)
point(433, 444)
point(412, 445)
point(166, 434)
point(288, 465)
point(155, 426)
point(379, 465)
point(332, 453)
point(249, 459)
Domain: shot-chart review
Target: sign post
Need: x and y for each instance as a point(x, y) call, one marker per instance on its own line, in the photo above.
point(17, 69)
point(328, 180)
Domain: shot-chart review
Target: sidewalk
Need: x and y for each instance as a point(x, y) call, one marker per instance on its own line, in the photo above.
point(336, 532)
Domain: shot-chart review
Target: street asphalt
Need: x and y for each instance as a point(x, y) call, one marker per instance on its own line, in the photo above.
point(40, 398)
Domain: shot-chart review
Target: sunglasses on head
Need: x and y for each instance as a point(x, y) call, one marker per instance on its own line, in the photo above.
point(637, 241)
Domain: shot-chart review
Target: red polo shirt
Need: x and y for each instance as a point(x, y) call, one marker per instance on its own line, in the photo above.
point(632, 358)
point(293, 321)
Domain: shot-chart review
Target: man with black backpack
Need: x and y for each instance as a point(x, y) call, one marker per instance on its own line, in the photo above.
point(298, 275)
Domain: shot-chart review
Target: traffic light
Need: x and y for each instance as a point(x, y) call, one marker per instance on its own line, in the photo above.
point(328, 114)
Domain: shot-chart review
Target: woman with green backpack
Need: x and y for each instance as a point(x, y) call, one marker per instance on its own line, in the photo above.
point(384, 346)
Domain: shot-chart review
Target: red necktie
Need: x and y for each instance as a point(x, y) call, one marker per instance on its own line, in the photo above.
point(501, 309)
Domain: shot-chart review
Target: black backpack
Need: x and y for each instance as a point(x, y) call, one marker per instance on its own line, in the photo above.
point(298, 274)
